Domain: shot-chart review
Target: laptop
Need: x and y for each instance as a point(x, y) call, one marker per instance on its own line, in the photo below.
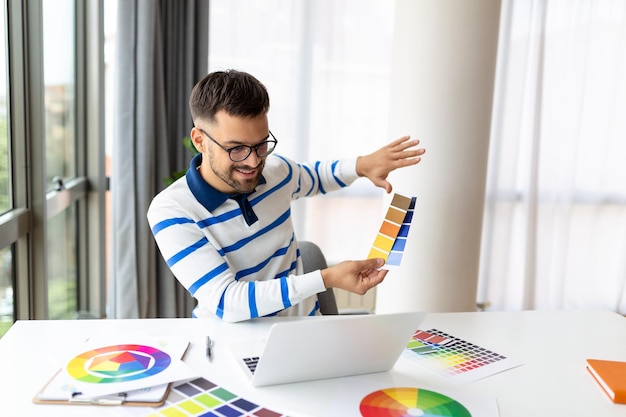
point(326, 347)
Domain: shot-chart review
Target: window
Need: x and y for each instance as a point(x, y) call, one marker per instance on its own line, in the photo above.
point(59, 40)
point(555, 216)
point(327, 66)
point(51, 179)
point(6, 254)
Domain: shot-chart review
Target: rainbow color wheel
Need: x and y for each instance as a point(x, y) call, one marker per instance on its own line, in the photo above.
point(118, 363)
point(410, 402)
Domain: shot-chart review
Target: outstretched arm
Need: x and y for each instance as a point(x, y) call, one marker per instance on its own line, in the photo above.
point(398, 154)
point(354, 276)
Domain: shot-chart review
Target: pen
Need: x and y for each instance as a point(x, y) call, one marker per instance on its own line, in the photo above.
point(209, 346)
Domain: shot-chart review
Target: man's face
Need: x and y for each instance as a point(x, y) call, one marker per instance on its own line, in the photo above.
point(229, 131)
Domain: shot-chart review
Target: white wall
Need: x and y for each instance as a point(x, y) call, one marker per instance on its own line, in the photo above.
point(443, 74)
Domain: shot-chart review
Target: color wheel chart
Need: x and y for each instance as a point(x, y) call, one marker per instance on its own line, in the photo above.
point(391, 238)
point(203, 398)
point(453, 358)
point(409, 402)
point(118, 363)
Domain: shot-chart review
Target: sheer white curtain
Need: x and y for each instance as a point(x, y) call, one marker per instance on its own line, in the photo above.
point(327, 65)
point(554, 231)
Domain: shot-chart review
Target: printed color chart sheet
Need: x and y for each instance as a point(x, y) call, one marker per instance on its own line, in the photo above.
point(203, 398)
point(455, 359)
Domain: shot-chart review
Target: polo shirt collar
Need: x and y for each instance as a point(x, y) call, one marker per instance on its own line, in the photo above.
point(206, 195)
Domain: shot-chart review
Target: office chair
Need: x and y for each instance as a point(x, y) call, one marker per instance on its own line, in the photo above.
point(313, 259)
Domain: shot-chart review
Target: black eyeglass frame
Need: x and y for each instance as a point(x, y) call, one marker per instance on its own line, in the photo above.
point(249, 148)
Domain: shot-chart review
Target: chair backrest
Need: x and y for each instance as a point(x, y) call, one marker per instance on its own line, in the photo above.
point(312, 260)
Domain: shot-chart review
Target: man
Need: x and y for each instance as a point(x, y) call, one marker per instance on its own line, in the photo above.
point(225, 228)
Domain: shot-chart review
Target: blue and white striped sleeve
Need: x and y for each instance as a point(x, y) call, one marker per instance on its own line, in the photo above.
point(203, 271)
point(322, 177)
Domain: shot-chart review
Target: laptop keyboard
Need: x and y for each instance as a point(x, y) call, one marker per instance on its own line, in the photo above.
point(251, 363)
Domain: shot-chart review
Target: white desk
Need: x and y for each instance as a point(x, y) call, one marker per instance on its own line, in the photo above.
point(552, 345)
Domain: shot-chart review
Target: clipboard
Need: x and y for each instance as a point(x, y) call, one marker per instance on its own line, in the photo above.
point(145, 397)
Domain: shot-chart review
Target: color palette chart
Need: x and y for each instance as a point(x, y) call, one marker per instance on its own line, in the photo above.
point(118, 363)
point(455, 359)
point(391, 238)
point(133, 368)
point(202, 398)
point(409, 402)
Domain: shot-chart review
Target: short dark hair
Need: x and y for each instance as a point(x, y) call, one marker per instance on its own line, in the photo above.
point(236, 92)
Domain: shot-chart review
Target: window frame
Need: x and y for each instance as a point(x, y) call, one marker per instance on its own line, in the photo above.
point(24, 226)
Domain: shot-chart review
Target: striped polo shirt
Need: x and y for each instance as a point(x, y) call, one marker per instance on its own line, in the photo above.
point(237, 268)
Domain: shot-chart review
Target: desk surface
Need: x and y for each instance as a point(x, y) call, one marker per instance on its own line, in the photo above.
point(552, 346)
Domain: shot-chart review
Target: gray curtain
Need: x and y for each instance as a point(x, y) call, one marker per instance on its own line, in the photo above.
point(162, 50)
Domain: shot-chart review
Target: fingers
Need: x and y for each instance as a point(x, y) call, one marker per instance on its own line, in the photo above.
point(405, 150)
point(408, 161)
point(373, 263)
point(381, 276)
point(371, 279)
point(403, 143)
point(401, 152)
point(355, 276)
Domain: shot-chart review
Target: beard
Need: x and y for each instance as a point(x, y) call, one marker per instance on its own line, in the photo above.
point(228, 175)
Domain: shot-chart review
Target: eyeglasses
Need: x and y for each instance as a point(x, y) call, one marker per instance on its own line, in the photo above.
point(241, 152)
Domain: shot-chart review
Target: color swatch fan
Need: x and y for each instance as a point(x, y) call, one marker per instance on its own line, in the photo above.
point(391, 238)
